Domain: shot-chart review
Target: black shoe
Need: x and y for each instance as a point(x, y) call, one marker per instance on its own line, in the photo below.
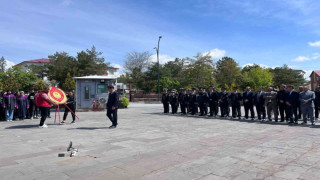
point(295, 122)
point(282, 121)
point(73, 122)
point(312, 124)
point(112, 127)
point(290, 122)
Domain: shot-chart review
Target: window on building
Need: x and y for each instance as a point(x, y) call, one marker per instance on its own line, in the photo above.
point(86, 93)
point(102, 88)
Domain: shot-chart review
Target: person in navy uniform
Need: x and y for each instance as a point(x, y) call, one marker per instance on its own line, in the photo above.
point(182, 100)
point(292, 104)
point(187, 100)
point(259, 102)
point(224, 103)
point(235, 99)
point(248, 97)
point(213, 101)
point(112, 106)
point(193, 102)
point(174, 101)
point(281, 102)
point(202, 101)
point(165, 100)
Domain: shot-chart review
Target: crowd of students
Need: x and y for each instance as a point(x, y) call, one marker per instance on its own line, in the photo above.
point(291, 105)
point(15, 106)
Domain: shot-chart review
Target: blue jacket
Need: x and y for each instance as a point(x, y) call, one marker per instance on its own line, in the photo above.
point(248, 96)
point(113, 100)
point(259, 100)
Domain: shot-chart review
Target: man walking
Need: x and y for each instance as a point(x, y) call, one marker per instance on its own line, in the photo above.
point(9, 104)
point(306, 101)
point(112, 106)
point(292, 103)
point(235, 98)
point(248, 103)
point(260, 104)
point(271, 104)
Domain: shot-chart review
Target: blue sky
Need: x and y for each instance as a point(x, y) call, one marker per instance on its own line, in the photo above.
point(268, 32)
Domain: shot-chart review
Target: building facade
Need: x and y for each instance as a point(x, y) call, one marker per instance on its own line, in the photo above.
point(315, 79)
point(93, 90)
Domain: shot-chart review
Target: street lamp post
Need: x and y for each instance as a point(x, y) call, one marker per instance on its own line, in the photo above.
point(157, 49)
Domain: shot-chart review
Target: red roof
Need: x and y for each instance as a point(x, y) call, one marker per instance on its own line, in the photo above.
point(317, 72)
point(42, 60)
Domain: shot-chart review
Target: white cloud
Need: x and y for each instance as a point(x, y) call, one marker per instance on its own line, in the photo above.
point(307, 74)
point(66, 3)
point(163, 58)
point(120, 71)
point(306, 58)
point(215, 53)
point(9, 64)
point(301, 59)
point(314, 44)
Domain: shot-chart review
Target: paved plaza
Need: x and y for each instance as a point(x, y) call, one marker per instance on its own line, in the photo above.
point(150, 145)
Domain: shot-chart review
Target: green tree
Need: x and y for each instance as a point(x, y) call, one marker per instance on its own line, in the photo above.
point(170, 84)
point(90, 62)
point(61, 63)
point(40, 85)
point(26, 80)
point(257, 77)
point(10, 83)
point(227, 72)
point(40, 71)
point(200, 71)
point(286, 75)
point(69, 83)
point(3, 65)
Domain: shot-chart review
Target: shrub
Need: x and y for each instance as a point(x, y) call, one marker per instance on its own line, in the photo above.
point(124, 102)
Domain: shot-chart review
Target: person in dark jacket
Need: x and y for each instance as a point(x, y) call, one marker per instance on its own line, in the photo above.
point(187, 100)
point(317, 103)
point(259, 102)
point(9, 105)
point(174, 102)
point(182, 100)
point(112, 106)
point(213, 101)
point(235, 100)
point(165, 100)
point(281, 97)
point(2, 113)
point(71, 103)
point(194, 102)
point(224, 103)
point(292, 104)
point(202, 101)
point(248, 97)
point(32, 104)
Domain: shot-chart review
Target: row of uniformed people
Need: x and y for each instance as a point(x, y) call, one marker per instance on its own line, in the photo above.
point(287, 101)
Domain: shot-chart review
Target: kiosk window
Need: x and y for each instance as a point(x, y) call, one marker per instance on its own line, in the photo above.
point(102, 88)
point(86, 93)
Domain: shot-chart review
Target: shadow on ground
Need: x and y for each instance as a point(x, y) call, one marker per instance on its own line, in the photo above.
point(22, 127)
point(89, 128)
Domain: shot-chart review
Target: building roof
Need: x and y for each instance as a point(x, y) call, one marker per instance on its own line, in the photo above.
point(42, 60)
point(97, 77)
point(317, 72)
